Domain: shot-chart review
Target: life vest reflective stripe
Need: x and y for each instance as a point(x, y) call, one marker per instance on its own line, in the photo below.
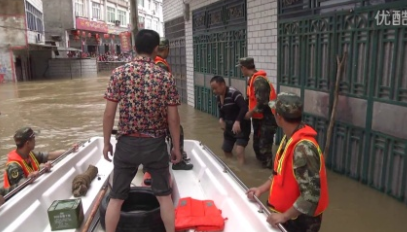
point(14, 157)
point(201, 215)
point(284, 189)
point(159, 59)
point(251, 93)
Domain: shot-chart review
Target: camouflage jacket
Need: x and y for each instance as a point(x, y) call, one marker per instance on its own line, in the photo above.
point(262, 93)
point(306, 166)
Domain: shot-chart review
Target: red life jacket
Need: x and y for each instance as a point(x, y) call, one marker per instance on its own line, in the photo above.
point(159, 59)
point(251, 93)
point(284, 189)
point(201, 215)
point(13, 156)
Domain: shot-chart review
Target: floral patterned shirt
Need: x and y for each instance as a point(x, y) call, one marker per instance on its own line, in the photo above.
point(143, 91)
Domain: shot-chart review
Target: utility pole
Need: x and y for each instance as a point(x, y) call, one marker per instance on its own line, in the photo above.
point(134, 21)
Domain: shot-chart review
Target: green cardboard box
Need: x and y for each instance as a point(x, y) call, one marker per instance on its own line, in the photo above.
point(65, 214)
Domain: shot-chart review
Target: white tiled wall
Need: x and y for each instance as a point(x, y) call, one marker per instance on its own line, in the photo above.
point(262, 35)
point(172, 9)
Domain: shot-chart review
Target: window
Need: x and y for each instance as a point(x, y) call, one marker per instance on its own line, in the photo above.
point(159, 8)
point(154, 26)
point(152, 6)
point(122, 17)
point(148, 24)
point(34, 18)
point(141, 22)
point(96, 11)
point(141, 3)
point(79, 8)
point(111, 14)
point(147, 4)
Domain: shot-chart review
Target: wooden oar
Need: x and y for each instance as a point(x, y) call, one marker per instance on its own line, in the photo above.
point(227, 170)
point(101, 195)
point(42, 171)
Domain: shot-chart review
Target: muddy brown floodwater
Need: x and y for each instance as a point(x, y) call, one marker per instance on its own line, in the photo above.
point(70, 111)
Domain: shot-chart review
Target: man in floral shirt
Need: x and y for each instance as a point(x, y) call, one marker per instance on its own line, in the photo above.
point(148, 106)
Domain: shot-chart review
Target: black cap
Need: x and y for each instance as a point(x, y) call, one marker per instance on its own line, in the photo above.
point(24, 134)
point(245, 62)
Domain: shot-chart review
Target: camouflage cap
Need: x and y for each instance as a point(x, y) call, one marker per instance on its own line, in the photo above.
point(164, 43)
point(288, 105)
point(245, 62)
point(24, 134)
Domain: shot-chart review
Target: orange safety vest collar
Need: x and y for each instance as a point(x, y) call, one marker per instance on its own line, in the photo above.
point(201, 215)
point(13, 156)
point(284, 190)
point(251, 92)
point(159, 59)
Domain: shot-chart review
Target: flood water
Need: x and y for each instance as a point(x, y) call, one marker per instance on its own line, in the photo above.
point(70, 111)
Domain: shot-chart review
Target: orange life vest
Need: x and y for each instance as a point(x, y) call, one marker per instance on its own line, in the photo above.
point(159, 59)
point(199, 215)
point(284, 189)
point(13, 156)
point(251, 93)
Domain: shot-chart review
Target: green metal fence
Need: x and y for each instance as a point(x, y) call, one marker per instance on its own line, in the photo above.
point(219, 39)
point(369, 141)
point(175, 33)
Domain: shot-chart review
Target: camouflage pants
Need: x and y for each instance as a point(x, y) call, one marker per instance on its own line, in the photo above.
point(304, 223)
point(181, 142)
point(263, 139)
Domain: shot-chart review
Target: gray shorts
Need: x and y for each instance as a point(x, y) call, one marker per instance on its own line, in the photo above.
point(130, 152)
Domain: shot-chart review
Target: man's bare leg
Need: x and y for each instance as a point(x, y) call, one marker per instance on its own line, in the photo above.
point(113, 214)
point(167, 212)
point(240, 154)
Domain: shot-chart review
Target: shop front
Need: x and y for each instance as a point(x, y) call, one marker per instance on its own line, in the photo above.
point(95, 38)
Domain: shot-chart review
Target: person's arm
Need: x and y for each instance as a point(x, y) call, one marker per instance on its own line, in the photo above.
point(112, 95)
point(262, 92)
point(163, 66)
point(241, 103)
point(172, 102)
point(306, 166)
point(15, 173)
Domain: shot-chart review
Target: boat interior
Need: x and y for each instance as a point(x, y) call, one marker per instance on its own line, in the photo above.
point(210, 179)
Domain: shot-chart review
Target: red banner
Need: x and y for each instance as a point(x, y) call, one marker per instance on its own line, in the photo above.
point(85, 24)
point(125, 41)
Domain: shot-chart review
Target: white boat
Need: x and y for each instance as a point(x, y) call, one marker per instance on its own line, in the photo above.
point(209, 180)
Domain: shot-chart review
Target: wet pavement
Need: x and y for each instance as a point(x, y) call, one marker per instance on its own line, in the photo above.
point(70, 111)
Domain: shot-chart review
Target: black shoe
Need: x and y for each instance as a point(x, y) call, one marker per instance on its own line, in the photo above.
point(182, 166)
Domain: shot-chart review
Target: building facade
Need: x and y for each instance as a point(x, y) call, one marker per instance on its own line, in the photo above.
point(23, 52)
point(151, 15)
point(296, 42)
point(92, 27)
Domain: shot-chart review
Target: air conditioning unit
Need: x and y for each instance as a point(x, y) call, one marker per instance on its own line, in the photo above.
point(117, 22)
point(38, 38)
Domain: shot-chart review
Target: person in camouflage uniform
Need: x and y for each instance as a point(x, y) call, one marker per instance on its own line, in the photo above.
point(162, 53)
point(263, 122)
point(306, 182)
